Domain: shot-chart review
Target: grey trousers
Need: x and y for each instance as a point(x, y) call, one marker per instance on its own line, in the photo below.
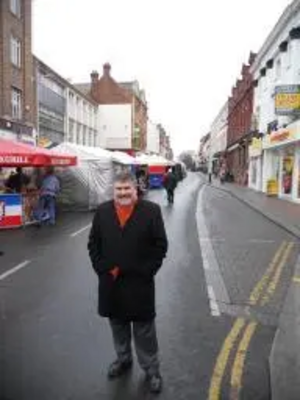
point(145, 341)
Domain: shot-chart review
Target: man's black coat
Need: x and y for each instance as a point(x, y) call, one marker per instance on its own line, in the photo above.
point(138, 249)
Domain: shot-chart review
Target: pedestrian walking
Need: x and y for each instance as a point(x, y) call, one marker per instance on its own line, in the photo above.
point(127, 245)
point(170, 184)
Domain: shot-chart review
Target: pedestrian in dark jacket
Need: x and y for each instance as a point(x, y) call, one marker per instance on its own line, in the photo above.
point(127, 245)
point(170, 184)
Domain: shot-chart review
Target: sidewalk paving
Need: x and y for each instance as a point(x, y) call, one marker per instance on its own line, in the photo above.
point(285, 354)
point(282, 212)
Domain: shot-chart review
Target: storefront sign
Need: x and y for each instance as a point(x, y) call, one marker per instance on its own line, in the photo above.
point(7, 135)
point(14, 160)
point(27, 140)
point(287, 100)
point(282, 136)
point(255, 149)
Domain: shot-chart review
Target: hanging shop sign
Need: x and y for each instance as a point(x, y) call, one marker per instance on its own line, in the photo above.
point(255, 149)
point(287, 100)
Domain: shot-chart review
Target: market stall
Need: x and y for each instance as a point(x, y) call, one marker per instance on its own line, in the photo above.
point(16, 208)
point(156, 168)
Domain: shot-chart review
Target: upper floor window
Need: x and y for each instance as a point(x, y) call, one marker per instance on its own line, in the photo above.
point(16, 103)
point(15, 7)
point(15, 51)
point(278, 69)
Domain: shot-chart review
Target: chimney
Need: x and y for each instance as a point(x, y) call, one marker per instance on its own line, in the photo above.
point(106, 69)
point(252, 58)
point(94, 82)
point(94, 77)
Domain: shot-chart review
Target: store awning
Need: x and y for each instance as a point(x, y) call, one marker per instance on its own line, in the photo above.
point(16, 154)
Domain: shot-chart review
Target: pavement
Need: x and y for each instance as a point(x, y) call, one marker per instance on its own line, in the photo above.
point(219, 298)
point(285, 355)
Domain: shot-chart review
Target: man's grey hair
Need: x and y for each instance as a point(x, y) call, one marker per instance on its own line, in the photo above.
point(124, 177)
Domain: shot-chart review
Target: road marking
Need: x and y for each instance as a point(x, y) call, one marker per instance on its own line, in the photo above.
point(81, 230)
point(215, 310)
point(208, 239)
point(212, 273)
point(262, 283)
point(296, 279)
point(219, 369)
point(239, 361)
point(276, 277)
point(279, 259)
point(261, 241)
point(15, 269)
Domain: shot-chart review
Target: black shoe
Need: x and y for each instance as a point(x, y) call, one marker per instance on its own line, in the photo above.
point(118, 368)
point(155, 383)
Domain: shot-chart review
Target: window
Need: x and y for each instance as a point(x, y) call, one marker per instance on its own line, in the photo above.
point(16, 103)
point(15, 51)
point(15, 7)
point(278, 69)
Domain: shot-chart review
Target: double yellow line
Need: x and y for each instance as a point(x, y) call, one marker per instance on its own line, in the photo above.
point(260, 295)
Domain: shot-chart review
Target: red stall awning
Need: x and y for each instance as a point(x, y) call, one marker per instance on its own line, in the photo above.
point(16, 154)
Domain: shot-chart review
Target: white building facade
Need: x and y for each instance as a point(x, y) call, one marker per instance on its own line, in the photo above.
point(82, 119)
point(218, 137)
point(276, 72)
point(115, 126)
point(153, 138)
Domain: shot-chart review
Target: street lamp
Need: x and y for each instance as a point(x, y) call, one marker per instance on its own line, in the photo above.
point(210, 161)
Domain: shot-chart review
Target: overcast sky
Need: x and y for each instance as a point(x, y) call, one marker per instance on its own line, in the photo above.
point(187, 54)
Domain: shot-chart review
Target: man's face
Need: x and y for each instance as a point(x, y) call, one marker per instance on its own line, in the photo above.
point(125, 193)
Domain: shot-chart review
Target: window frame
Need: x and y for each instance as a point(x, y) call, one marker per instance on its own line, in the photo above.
point(16, 8)
point(16, 102)
point(15, 51)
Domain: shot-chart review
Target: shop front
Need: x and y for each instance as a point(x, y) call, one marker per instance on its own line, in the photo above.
point(255, 164)
point(281, 173)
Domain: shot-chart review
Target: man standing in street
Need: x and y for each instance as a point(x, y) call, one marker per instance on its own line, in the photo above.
point(127, 245)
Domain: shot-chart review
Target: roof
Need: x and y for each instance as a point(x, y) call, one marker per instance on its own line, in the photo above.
point(132, 86)
point(83, 88)
point(62, 80)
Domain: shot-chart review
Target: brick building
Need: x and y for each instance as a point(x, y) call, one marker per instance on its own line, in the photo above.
point(107, 91)
point(240, 107)
point(17, 99)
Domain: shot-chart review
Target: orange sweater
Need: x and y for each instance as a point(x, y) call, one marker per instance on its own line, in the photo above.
point(124, 213)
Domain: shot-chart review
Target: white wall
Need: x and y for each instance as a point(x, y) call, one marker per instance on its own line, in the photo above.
point(82, 120)
point(218, 130)
point(152, 138)
point(286, 68)
point(115, 126)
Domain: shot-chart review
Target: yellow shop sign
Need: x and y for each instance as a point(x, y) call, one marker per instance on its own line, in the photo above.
point(255, 149)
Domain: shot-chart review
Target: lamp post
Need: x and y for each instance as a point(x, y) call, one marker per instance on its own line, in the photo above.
point(210, 161)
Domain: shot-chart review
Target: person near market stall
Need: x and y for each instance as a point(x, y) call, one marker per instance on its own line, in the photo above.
point(17, 181)
point(50, 188)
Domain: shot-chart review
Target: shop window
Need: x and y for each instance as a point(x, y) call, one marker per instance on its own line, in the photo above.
point(287, 172)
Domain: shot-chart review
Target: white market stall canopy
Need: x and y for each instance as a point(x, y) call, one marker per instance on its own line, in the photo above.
point(90, 183)
point(153, 160)
point(123, 158)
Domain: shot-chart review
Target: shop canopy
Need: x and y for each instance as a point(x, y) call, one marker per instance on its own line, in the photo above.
point(16, 154)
